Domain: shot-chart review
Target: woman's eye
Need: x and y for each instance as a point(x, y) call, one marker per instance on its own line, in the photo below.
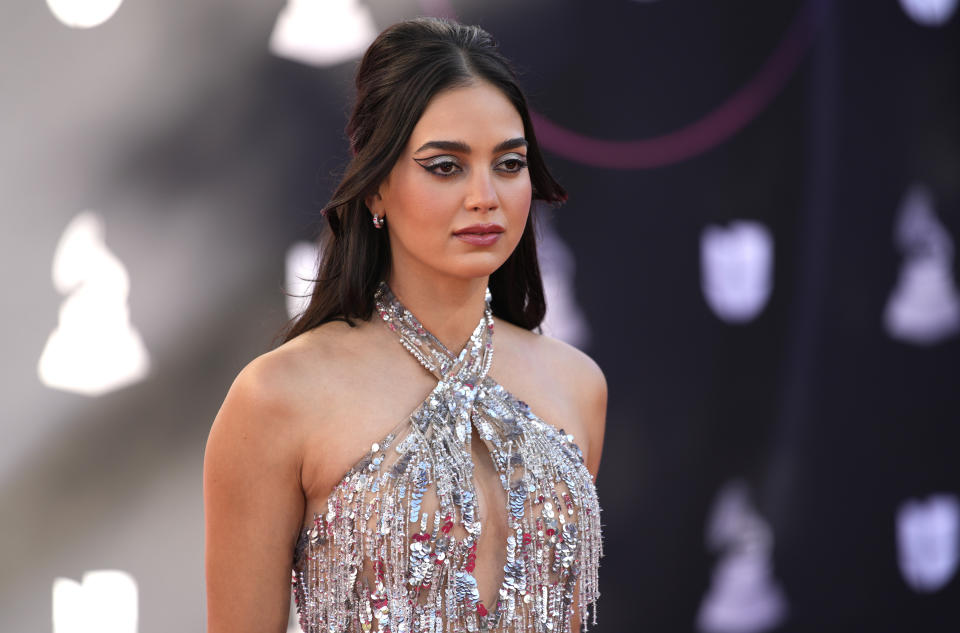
point(440, 166)
point(512, 164)
point(444, 168)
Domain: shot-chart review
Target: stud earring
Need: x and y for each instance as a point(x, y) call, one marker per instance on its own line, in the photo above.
point(378, 222)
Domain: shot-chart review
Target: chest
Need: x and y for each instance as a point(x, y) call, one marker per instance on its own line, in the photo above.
point(371, 402)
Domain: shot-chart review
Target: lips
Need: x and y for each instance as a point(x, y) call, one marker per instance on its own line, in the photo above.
point(479, 229)
point(479, 234)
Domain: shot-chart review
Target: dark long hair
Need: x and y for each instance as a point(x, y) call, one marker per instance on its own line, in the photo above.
point(403, 69)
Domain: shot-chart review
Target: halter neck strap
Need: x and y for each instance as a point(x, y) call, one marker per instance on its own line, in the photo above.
point(470, 365)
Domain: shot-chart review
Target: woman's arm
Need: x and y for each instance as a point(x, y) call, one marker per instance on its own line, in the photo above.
point(253, 504)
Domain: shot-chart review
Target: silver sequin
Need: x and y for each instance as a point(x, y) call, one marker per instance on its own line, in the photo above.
point(374, 562)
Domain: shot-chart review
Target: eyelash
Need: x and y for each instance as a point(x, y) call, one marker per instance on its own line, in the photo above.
point(434, 166)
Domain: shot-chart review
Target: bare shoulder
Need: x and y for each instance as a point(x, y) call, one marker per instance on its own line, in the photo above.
point(574, 364)
point(274, 395)
point(300, 364)
point(574, 368)
point(574, 372)
point(586, 381)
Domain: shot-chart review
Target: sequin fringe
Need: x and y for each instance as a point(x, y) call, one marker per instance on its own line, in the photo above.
point(379, 559)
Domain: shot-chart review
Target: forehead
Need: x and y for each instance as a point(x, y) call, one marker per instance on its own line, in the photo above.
point(478, 114)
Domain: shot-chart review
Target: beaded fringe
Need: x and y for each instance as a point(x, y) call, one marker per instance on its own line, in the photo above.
point(396, 548)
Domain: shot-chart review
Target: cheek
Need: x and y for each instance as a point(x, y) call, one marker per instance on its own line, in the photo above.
point(424, 205)
point(517, 199)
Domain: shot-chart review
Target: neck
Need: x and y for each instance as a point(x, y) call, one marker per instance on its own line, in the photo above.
point(448, 308)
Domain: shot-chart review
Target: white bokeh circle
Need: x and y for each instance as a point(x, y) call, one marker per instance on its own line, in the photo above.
point(929, 12)
point(83, 14)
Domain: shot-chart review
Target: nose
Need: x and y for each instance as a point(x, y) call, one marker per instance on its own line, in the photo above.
point(481, 195)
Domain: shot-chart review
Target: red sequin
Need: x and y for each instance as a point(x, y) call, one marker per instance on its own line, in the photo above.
point(448, 525)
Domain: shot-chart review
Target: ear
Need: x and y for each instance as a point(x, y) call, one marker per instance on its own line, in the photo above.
point(375, 203)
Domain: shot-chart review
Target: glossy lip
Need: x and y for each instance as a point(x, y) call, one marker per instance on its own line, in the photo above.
point(480, 228)
point(479, 234)
point(479, 239)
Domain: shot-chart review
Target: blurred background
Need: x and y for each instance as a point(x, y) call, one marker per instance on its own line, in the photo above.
point(759, 250)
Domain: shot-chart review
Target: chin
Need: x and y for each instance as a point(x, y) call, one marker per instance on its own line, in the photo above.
point(480, 266)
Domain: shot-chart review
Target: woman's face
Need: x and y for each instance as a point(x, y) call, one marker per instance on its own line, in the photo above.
point(464, 166)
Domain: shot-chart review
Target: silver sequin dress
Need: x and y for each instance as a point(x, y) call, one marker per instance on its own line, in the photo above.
point(395, 547)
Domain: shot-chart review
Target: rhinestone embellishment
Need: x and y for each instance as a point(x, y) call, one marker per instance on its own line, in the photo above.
point(395, 548)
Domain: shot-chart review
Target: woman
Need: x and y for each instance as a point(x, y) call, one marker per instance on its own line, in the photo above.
point(472, 512)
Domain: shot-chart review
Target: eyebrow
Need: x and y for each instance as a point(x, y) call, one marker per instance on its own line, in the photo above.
point(463, 148)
